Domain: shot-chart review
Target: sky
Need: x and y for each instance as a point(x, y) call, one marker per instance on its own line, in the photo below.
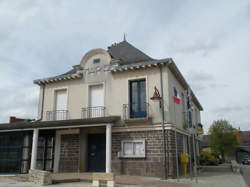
point(208, 40)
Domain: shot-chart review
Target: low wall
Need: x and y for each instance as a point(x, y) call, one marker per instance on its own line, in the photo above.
point(40, 177)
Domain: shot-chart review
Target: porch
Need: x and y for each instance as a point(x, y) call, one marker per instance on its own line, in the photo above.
point(82, 145)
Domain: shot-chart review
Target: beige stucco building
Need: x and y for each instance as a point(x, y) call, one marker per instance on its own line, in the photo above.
point(118, 110)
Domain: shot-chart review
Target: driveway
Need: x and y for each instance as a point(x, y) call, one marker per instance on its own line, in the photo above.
point(246, 174)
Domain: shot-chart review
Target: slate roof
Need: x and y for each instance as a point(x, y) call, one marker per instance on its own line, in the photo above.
point(57, 124)
point(140, 64)
point(65, 76)
point(127, 53)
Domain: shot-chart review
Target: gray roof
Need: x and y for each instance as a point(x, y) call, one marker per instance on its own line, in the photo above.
point(127, 53)
point(72, 74)
point(58, 123)
point(141, 64)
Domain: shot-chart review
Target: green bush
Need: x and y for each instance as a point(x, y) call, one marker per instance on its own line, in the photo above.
point(207, 158)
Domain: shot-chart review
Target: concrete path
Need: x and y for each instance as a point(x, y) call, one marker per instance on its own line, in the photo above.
point(206, 179)
point(246, 174)
point(4, 182)
point(217, 179)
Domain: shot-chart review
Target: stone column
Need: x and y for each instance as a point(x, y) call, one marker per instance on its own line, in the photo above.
point(34, 149)
point(108, 147)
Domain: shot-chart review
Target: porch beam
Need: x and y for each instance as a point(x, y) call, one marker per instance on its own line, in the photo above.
point(108, 147)
point(34, 149)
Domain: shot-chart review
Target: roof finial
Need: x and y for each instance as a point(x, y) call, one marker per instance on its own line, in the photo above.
point(124, 37)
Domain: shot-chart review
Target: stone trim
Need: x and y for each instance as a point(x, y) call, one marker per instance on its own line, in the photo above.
point(149, 128)
point(40, 177)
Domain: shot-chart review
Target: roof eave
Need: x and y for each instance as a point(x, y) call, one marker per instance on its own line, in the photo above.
point(178, 75)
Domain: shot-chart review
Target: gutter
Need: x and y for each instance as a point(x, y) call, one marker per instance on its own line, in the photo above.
point(42, 104)
point(162, 124)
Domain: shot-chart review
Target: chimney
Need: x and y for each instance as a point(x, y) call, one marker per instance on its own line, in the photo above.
point(14, 119)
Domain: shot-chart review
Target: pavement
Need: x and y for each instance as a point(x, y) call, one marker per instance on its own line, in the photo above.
point(205, 179)
point(246, 174)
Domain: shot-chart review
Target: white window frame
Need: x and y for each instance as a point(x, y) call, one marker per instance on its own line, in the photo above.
point(133, 142)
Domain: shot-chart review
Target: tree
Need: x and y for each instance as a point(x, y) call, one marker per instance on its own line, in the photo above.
point(222, 138)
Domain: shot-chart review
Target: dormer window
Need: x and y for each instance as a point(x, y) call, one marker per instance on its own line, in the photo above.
point(96, 60)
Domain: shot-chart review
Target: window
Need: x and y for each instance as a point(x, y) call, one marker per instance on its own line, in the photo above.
point(60, 105)
point(133, 149)
point(96, 60)
point(137, 99)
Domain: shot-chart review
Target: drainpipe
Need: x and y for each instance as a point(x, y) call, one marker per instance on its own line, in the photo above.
point(162, 124)
point(42, 103)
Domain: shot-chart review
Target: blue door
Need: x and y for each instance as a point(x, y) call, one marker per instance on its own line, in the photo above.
point(96, 152)
point(138, 99)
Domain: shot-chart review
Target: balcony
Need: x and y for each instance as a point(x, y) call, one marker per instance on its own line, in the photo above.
point(93, 112)
point(57, 115)
point(134, 112)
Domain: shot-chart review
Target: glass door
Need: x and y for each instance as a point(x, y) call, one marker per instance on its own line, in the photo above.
point(137, 99)
point(45, 152)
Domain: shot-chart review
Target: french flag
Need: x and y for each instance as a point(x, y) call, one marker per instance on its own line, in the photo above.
point(176, 97)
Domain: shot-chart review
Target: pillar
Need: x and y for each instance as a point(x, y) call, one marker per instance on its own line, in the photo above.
point(108, 147)
point(34, 149)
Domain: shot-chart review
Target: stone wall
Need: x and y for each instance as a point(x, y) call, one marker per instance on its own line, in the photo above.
point(70, 153)
point(152, 164)
point(171, 152)
point(40, 177)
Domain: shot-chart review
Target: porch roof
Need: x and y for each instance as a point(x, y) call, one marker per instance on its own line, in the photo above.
point(58, 124)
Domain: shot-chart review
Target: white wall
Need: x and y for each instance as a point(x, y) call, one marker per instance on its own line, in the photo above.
point(116, 89)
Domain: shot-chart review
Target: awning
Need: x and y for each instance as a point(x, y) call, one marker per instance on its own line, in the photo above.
point(73, 123)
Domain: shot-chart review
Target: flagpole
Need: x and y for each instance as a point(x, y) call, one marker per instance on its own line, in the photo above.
point(176, 151)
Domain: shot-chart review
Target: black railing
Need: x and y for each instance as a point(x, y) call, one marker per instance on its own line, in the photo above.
point(132, 111)
point(93, 112)
point(57, 115)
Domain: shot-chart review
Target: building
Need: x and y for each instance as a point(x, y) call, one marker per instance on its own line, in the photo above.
point(243, 150)
point(118, 110)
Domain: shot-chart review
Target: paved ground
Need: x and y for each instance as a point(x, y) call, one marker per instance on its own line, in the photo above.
point(246, 174)
point(206, 179)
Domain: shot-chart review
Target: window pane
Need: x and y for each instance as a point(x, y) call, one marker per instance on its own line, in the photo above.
point(138, 148)
point(49, 153)
point(39, 165)
point(48, 165)
point(142, 96)
point(134, 96)
point(128, 148)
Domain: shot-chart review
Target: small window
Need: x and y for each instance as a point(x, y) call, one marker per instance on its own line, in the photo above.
point(133, 149)
point(96, 60)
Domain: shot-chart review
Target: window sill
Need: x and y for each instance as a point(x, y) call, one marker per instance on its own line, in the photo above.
point(133, 156)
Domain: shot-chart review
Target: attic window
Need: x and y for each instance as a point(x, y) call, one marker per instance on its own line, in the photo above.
point(96, 60)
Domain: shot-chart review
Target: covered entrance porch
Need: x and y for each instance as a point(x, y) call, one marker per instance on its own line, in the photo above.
point(83, 149)
point(81, 145)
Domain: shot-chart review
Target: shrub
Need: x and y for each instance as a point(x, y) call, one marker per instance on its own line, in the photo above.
point(208, 158)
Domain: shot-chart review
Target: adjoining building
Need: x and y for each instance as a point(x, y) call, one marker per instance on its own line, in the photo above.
point(119, 111)
point(243, 150)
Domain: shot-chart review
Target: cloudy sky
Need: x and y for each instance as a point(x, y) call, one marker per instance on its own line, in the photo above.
point(208, 40)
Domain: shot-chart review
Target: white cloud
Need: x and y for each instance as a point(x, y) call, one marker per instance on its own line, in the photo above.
point(209, 41)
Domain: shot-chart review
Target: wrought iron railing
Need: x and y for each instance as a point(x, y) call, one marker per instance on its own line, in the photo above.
point(57, 115)
point(131, 111)
point(93, 112)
